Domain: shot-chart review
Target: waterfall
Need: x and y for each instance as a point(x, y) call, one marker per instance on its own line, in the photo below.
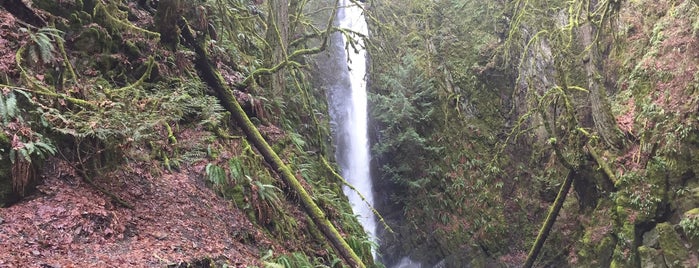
point(348, 109)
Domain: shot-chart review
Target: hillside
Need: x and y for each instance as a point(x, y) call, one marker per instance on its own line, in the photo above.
point(122, 146)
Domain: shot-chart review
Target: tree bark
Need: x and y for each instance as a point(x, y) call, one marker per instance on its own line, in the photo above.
point(277, 37)
point(550, 219)
point(169, 11)
point(605, 124)
point(213, 78)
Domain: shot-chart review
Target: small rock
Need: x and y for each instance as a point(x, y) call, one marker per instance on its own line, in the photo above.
point(36, 253)
point(159, 235)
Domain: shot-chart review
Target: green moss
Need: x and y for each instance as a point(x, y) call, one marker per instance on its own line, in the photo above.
point(604, 251)
point(650, 257)
point(596, 253)
point(625, 254)
point(673, 250)
point(690, 226)
point(132, 49)
point(4, 140)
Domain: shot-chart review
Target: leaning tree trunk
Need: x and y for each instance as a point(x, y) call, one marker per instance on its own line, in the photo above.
point(213, 78)
point(550, 219)
point(605, 124)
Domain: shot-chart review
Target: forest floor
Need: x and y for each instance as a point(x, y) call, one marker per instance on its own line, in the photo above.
point(176, 221)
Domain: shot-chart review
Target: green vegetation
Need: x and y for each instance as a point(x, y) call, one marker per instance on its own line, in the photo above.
point(493, 121)
point(483, 108)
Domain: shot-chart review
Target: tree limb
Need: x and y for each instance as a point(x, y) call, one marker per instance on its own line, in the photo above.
point(213, 78)
point(550, 219)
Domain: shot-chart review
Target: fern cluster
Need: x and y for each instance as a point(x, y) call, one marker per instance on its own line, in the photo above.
point(21, 136)
point(42, 47)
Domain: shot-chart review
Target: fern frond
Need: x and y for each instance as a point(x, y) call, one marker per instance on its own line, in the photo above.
point(216, 174)
point(8, 107)
point(52, 32)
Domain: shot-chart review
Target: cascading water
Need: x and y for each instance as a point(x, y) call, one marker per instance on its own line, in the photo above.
point(343, 72)
point(348, 101)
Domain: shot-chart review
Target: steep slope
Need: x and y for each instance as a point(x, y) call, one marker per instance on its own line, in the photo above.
point(118, 153)
point(484, 109)
point(176, 220)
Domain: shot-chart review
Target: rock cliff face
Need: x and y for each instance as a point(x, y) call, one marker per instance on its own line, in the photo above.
point(553, 61)
point(651, 69)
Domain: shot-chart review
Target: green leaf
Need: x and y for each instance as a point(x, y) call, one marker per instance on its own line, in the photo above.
point(216, 174)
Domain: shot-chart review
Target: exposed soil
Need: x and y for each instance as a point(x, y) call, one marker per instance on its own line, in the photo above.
point(176, 220)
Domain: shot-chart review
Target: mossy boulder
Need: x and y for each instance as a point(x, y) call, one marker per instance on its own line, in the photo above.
point(674, 251)
point(604, 251)
point(650, 238)
point(597, 253)
point(651, 258)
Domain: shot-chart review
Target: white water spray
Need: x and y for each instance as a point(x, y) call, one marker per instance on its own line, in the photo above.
point(352, 123)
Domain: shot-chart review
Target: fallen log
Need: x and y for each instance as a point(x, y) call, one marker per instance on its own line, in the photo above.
point(213, 78)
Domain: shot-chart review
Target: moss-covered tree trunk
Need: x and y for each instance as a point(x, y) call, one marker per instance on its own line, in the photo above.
point(277, 37)
point(605, 124)
point(550, 219)
point(225, 95)
point(169, 11)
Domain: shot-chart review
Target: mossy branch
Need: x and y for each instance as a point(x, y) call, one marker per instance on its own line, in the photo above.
point(66, 61)
point(170, 135)
point(140, 81)
point(345, 182)
point(301, 52)
point(602, 164)
point(101, 9)
point(215, 81)
point(43, 90)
